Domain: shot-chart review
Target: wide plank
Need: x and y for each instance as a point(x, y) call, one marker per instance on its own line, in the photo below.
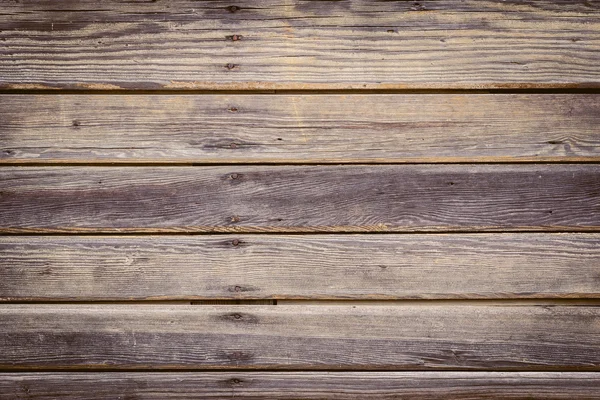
point(299, 128)
point(351, 198)
point(277, 44)
point(311, 337)
point(301, 385)
point(431, 266)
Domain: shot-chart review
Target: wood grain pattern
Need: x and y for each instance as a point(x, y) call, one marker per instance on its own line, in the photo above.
point(386, 198)
point(432, 266)
point(395, 337)
point(299, 128)
point(276, 44)
point(302, 385)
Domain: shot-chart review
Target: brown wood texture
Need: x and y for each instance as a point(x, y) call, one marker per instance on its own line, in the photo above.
point(301, 385)
point(345, 337)
point(299, 128)
point(431, 266)
point(384, 198)
point(275, 44)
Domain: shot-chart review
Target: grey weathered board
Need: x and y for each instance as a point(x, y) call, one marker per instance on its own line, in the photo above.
point(431, 266)
point(384, 198)
point(301, 385)
point(275, 44)
point(299, 128)
point(312, 337)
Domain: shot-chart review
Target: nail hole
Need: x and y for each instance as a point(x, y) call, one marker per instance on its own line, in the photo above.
point(233, 9)
point(233, 145)
point(76, 123)
point(234, 176)
point(234, 38)
point(418, 7)
point(230, 66)
point(236, 242)
point(232, 109)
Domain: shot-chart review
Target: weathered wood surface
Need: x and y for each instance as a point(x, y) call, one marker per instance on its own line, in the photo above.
point(382, 198)
point(182, 44)
point(308, 337)
point(431, 266)
point(299, 128)
point(301, 385)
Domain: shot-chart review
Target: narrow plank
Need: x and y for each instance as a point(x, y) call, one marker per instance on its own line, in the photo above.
point(299, 128)
point(302, 385)
point(277, 44)
point(397, 337)
point(432, 266)
point(385, 198)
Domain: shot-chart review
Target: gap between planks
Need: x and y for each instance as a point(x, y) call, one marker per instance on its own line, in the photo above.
point(291, 163)
point(53, 92)
point(312, 233)
point(384, 303)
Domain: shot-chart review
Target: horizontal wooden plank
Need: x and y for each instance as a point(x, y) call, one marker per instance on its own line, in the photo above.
point(276, 44)
point(392, 198)
point(411, 337)
point(299, 128)
point(302, 385)
point(432, 266)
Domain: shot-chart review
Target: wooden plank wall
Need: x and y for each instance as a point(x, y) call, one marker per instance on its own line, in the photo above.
point(300, 199)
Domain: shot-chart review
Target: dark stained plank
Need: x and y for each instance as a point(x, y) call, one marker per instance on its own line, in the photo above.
point(299, 128)
point(384, 198)
point(311, 337)
point(432, 266)
point(276, 44)
point(302, 385)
